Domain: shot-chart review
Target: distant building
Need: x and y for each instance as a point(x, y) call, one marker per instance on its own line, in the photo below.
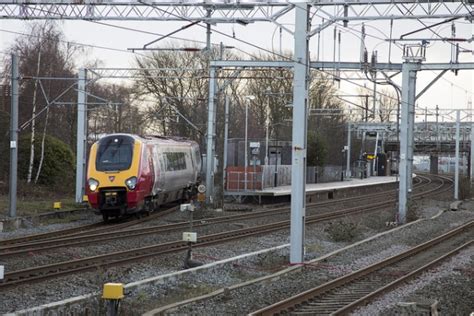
point(279, 152)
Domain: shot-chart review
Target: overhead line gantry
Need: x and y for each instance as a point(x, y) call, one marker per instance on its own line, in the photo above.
point(327, 11)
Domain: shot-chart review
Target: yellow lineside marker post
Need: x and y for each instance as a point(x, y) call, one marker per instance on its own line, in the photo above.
point(112, 294)
point(57, 205)
point(201, 197)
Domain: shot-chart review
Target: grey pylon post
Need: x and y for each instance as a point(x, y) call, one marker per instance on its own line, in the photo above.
point(226, 138)
point(211, 129)
point(406, 132)
point(81, 135)
point(13, 137)
point(472, 152)
point(348, 152)
point(411, 128)
point(298, 169)
point(456, 166)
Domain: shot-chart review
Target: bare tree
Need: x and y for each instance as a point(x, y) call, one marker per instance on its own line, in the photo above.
point(326, 121)
point(120, 115)
point(388, 104)
point(33, 111)
point(43, 54)
point(178, 95)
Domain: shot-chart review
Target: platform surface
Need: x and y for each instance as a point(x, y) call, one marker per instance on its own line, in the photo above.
point(317, 187)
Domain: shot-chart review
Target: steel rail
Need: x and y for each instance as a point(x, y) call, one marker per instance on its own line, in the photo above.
point(292, 303)
point(44, 245)
point(87, 229)
point(8, 252)
point(364, 300)
point(117, 258)
point(83, 229)
point(40, 236)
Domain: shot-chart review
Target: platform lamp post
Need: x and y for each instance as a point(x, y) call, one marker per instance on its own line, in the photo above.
point(267, 123)
point(343, 152)
point(248, 99)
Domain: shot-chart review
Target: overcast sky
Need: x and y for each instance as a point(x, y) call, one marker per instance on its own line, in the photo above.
point(450, 92)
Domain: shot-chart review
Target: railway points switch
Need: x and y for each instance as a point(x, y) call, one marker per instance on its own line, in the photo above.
point(187, 207)
point(112, 291)
point(189, 237)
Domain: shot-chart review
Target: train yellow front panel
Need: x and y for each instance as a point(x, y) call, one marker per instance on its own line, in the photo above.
point(114, 178)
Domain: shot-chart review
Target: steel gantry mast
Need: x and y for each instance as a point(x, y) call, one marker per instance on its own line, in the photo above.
point(228, 11)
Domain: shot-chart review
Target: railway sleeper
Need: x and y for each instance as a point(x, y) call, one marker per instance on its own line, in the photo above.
point(314, 312)
point(360, 290)
point(306, 313)
point(330, 303)
point(344, 297)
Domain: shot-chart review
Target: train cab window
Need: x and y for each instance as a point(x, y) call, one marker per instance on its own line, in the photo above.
point(114, 153)
point(175, 161)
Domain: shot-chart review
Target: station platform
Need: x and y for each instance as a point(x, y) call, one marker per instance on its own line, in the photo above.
point(314, 188)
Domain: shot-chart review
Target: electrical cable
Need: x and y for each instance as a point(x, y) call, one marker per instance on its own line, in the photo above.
point(74, 43)
point(447, 80)
point(399, 46)
point(253, 45)
point(246, 42)
point(272, 52)
point(158, 34)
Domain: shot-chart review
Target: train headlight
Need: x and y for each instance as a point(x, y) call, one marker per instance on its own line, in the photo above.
point(131, 183)
point(93, 184)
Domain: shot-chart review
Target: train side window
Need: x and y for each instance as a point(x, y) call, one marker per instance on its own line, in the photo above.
point(175, 161)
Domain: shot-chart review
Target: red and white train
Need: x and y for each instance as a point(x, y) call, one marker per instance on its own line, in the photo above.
point(130, 174)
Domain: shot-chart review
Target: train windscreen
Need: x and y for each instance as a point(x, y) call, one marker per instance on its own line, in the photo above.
point(114, 153)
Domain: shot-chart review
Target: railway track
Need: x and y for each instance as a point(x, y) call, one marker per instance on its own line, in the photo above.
point(82, 230)
point(101, 236)
point(101, 227)
point(344, 294)
point(118, 258)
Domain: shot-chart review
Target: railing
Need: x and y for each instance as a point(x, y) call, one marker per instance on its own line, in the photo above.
point(270, 176)
point(236, 181)
point(276, 175)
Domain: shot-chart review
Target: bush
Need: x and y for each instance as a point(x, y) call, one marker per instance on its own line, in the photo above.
point(464, 188)
point(58, 165)
point(413, 210)
point(4, 148)
point(342, 231)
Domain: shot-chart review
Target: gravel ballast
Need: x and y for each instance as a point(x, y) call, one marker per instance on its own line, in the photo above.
point(240, 301)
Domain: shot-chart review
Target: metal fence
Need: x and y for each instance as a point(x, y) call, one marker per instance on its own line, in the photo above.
point(276, 175)
point(270, 176)
point(236, 181)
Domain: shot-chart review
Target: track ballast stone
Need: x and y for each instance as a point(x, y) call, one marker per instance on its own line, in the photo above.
point(240, 301)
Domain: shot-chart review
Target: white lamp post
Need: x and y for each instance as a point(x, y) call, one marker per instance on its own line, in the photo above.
point(267, 123)
point(248, 98)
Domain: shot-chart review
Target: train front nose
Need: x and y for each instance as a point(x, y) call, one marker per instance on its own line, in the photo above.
point(112, 199)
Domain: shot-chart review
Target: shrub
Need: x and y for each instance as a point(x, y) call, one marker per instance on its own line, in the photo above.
point(412, 211)
point(342, 231)
point(4, 142)
point(464, 188)
point(58, 164)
